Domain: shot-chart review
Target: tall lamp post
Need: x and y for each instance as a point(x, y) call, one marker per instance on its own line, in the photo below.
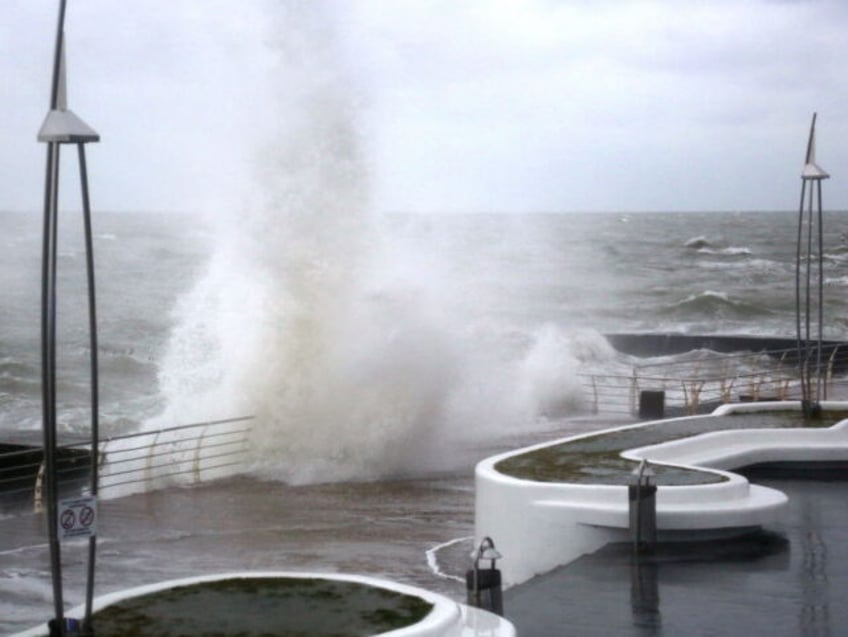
point(810, 223)
point(61, 126)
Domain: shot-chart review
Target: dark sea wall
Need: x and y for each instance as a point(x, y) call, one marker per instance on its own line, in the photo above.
point(649, 344)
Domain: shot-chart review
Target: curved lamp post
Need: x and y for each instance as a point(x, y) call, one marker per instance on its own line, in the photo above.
point(810, 223)
point(62, 126)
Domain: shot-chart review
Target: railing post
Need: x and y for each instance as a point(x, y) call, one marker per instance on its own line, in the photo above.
point(595, 407)
point(38, 493)
point(196, 465)
point(148, 469)
point(829, 376)
point(634, 391)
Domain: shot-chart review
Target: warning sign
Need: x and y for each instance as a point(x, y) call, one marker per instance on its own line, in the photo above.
point(78, 517)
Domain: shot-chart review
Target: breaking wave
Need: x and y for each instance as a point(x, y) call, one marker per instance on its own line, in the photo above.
point(730, 251)
point(355, 347)
point(702, 245)
point(716, 305)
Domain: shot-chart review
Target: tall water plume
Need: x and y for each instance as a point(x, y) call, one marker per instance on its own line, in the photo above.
point(360, 350)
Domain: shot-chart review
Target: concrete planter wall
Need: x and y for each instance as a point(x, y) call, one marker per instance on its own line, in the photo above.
point(446, 619)
point(541, 525)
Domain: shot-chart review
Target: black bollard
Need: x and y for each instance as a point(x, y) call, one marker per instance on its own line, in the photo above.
point(484, 585)
point(651, 405)
point(642, 498)
point(72, 628)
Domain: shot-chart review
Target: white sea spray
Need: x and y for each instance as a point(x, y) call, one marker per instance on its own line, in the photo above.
point(361, 351)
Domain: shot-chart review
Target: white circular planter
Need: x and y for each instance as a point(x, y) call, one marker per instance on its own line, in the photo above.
point(446, 618)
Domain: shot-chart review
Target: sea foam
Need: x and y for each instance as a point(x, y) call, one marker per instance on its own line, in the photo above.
point(362, 351)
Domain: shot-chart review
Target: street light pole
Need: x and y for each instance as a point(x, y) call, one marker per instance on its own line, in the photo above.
point(62, 126)
point(810, 215)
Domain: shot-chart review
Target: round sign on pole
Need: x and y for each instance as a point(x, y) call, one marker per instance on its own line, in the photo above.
point(78, 517)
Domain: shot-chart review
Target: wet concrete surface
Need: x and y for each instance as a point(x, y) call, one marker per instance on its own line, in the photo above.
point(382, 529)
point(788, 582)
point(789, 586)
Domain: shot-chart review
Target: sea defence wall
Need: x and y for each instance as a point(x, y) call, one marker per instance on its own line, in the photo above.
point(669, 344)
point(541, 525)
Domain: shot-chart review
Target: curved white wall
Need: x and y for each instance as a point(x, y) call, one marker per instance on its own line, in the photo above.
point(538, 526)
point(447, 619)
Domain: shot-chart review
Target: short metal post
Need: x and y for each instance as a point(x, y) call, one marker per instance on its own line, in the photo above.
point(484, 586)
point(652, 404)
point(642, 498)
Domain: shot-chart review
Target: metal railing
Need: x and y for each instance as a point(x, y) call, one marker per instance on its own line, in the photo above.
point(695, 385)
point(22, 469)
point(186, 454)
point(132, 463)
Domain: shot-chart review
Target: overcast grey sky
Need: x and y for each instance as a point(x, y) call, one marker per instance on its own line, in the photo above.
point(470, 105)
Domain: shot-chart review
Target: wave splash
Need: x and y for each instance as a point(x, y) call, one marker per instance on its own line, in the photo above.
point(351, 344)
point(715, 304)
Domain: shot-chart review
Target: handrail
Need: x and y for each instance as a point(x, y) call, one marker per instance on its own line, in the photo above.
point(140, 434)
point(199, 446)
point(209, 449)
point(706, 381)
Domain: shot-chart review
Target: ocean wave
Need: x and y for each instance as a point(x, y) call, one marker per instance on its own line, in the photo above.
point(836, 258)
point(714, 304)
point(752, 265)
point(18, 378)
point(697, 243)
point(836, 281)
point(127, 364)
point(14, 367)
point(702, 245)
point(730, 251)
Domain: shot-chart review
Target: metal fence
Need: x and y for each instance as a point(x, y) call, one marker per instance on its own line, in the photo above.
point(132, 463)
point(699, 384)
point(21, 470)
point(185, 454)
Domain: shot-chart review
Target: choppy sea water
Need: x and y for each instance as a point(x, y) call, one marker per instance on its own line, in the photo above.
point(459, 305)
point(404, 347)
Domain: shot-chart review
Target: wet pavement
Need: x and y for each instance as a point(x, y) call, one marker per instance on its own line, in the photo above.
point(382, 529)
point(790, 582)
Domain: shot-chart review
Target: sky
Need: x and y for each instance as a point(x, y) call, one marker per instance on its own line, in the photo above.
point(460, 105)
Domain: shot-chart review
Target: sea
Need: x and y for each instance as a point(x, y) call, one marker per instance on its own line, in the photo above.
point(380, 355)
point(461, 307)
